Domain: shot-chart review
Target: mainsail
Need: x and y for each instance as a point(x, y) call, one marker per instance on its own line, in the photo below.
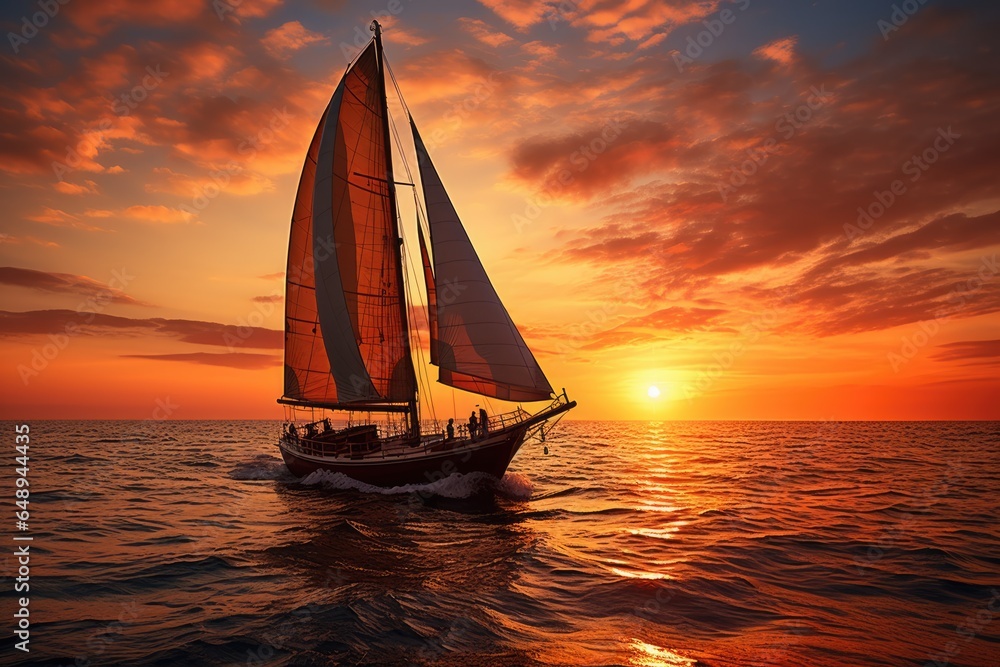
point(346, 338)
point(476, 344)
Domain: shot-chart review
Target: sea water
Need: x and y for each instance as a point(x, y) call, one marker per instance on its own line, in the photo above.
point(632, 543)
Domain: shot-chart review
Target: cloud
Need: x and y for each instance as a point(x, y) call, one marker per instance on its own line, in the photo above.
point(99, 18)
point(212, 105)
point(440, 75)
point(520, 13)
point(269, 298)
point(662, 205)
point(652, 41)
point(394, 32)
point(241, 360)
point(588, 162)
point(615, 21)
point(19, 240)
point(241, 183)
point(59, 218)
point(657, 325)
point(252, 8)
point(158, 214)
point(482, 32)
point(195, 332)
point(144, 213)
point(280, 275)
point(283, 41)
point(65, 283)
point(541, 50)
point(969, 351)
point(781, 51)
point(67, 188)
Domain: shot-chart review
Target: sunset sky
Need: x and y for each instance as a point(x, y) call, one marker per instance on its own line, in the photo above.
point(767, 210)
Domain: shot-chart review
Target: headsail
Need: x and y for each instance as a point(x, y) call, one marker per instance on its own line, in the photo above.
point(344, 251)
point(476, 344)
point(431, 294)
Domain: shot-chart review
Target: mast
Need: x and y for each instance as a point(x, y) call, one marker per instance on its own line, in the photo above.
point(376, 27)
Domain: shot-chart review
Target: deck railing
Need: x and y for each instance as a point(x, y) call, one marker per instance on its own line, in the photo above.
point(383, 442)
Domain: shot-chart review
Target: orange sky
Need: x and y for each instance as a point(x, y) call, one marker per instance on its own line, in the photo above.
point(151, 153)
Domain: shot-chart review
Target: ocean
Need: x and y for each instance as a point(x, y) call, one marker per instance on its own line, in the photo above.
point(630, 543)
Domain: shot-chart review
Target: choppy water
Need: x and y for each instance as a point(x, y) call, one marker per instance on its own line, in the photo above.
point(653, 544)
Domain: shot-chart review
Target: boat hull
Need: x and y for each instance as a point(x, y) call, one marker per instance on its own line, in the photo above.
point(491, 455)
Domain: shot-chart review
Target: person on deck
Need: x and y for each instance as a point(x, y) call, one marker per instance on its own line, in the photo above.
point(473, 424)
point(484, 422)
point(450, 429)
point(293, 432)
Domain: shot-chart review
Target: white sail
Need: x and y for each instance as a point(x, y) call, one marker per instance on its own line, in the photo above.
point(477, 348)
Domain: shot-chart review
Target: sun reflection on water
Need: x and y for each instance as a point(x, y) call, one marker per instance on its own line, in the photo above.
point(649, 655)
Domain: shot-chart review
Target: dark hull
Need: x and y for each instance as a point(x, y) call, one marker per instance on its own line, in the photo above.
point(491, 456)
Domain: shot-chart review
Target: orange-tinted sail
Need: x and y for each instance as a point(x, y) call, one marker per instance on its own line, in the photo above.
point(307, 369)
point(477, 346)
point(348, 302)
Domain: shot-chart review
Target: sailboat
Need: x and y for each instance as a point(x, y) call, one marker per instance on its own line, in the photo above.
point(348, 349)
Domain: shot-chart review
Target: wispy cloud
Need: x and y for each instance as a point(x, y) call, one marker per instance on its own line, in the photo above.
point(283, 41)
point(65, 283)
point(195, 332)
point(484, 33)
point(241, 360)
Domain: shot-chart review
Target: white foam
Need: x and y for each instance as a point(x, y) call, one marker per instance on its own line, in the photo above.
point(264, 467)
point(515, 485)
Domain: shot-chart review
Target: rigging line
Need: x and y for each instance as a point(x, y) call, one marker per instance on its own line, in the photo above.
point(359, 54)
point(395, 84)
point(419, 207)
point(408, 271)
point(415, 331)
point(399, 145)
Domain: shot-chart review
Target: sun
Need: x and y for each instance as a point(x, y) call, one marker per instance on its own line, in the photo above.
point(653, 392)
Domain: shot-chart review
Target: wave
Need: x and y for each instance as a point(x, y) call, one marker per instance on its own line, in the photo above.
point(516, 486)
point(263, 467)
point(458, 485)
